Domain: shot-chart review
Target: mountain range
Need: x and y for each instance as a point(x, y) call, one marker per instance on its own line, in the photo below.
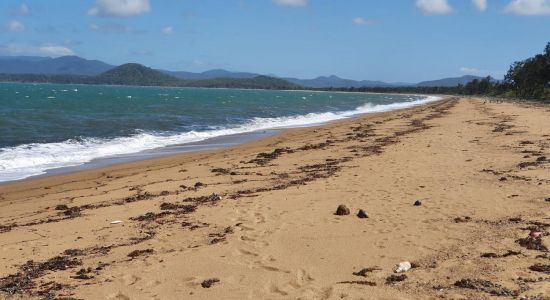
point(139, 75)
point(74, 65)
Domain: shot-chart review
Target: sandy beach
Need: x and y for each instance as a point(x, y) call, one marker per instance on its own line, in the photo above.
point(257, 221)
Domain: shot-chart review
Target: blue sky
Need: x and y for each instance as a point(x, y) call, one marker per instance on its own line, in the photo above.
point(397, 40)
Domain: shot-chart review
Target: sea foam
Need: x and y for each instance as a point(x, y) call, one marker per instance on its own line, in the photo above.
point(28, 160)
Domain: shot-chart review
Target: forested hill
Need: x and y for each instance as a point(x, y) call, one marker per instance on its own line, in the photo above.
point(136, 74)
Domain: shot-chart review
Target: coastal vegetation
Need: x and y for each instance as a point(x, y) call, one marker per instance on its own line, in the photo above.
point(526, 79)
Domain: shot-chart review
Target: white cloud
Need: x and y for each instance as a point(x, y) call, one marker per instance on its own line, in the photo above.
point(53, 50)
point(434, 7)
point(481, 5)
point(198, 62)
point(469, 70)
point(168, 30)
point(23, 10)
point(43, 49)
point(119, 8)
point(529, 7)
point(15, 26)
point(295, 3)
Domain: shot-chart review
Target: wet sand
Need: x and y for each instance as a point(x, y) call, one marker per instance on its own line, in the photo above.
point(257, 221)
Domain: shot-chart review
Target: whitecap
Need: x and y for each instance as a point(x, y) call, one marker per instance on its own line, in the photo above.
point(35, 159)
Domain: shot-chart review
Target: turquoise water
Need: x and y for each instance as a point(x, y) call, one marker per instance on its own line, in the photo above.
point(47, 126)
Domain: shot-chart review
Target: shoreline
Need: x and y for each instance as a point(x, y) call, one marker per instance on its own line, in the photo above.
point(213, 142)
point(257, 220)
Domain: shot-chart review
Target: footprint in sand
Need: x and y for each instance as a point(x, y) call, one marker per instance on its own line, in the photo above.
point(130, 279)
point(118, 296)
point(246, 252)
point(302, 278)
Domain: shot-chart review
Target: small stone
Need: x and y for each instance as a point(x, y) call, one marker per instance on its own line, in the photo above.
point(362, 214)
point(209, 282)
point(342, 210)
point(417, 203)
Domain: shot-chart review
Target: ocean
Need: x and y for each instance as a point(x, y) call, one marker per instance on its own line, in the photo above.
point(45, 127)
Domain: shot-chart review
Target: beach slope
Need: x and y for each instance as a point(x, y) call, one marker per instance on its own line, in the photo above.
point(257, 221)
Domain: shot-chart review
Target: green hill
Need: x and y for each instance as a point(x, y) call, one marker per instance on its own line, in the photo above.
point(136, 74)
point(258, 82)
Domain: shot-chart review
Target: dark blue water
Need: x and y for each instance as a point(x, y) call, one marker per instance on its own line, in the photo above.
point(46, 126)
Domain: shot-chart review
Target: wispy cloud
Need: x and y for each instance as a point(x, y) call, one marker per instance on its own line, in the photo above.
point(113, 28)
point(362, 21)
point(481, 5)
point(434, 7)
point(295, 3)
point(469, 70)
point(41, 49)
point(23, 9)
point(529, 7)
point(15, 26)
point(119, 8)
point(110, 28)
point(168, 30)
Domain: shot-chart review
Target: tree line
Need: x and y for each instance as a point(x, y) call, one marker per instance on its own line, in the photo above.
point(526, 79)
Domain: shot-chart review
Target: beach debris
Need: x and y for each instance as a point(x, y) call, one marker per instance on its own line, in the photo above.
point(532, 243)
point(137, 253)
point(74, 252)
point(220, 171)
point(82, 274)
point(72, 212)
point(402, 267)
point(115, 222)
point(485, 286)
point(61, 207)
point(536, 234)
point(24, 280)
point(363, 272)
point(215, 197)
point(540, 268)
point(362, 214)
point(417, 203)
point(494, 255)
point(360, 282)
point(209, 282)
point(462, 219)
point(264, 157)
point(395, 278)
point(342, 210)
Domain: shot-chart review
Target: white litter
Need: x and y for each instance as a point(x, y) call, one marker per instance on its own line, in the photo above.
point(403, 267)
point(117, 222)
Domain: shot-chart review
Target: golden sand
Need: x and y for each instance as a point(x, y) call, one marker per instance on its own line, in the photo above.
point(257, 221)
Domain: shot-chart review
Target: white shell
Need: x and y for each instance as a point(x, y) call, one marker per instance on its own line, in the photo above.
point(403, 267)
